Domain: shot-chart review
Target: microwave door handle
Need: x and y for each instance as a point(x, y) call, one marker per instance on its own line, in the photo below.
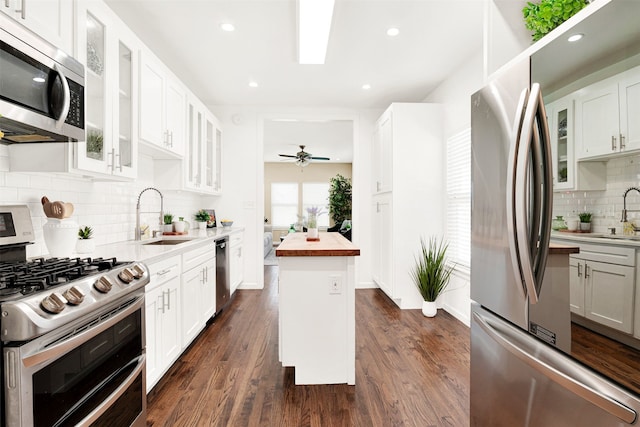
point(512, 171)
point(544, 143)
point(66, 101)
point(522, 202)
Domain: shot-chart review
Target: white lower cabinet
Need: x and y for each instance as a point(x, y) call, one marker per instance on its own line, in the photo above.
point(604, 292)
point(198, 292)
point(163, 318)
point(236, 261)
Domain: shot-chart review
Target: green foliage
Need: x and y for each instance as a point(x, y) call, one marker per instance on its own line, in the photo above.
point(85, 233)
point(585, 216)
point(339, 198)
point(95, 143)
point(431, 273)
point(168, 218)
point(202, 216)
point(546, 15)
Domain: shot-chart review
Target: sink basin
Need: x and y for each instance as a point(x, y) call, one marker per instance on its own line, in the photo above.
point(168, 242)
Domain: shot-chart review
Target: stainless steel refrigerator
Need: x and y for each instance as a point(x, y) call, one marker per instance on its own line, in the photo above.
point(523, 371)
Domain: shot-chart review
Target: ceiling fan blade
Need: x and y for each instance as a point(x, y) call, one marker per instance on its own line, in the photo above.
point(288, 155)
point(320, 158)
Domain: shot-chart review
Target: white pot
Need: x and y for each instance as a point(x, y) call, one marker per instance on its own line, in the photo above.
point(312, 233)
point(573, 224)
point(429, 308)
point(179, 226)
point(85, 246)
point(585, 226)
point(168, 228)
point(60, 236)
point(202, 225)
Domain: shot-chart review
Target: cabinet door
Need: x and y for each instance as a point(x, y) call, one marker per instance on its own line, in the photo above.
point(208, 295)
point(383, 245)
point(596, 119)
point(175, 116)
point(383, 153)
point(152, 101)
point(576, 285)
point(236, 266)
point(629, 91)
point(192, 283)
point(209, 151)
point(610, 294)
point(170, 323)
point(153, 312)
point(561, 124)
point(51, 19)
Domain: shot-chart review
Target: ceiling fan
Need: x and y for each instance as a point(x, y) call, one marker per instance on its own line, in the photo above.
point(303, 158)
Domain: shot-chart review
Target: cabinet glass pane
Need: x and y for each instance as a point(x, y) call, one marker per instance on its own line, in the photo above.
point(209, 153)
point(200, 149)
point(218, 181)
point(561, 158)
point(192, 145)
point(95, 88)
point(125, 106)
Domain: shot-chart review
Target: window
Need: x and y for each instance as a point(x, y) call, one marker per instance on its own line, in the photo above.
point(284, 204)
point(316, 194)
point(459, 198)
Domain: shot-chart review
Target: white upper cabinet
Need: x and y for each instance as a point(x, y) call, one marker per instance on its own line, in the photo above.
point(603, 111)
point(162, 110)
point(51, 19)
point(108, 50)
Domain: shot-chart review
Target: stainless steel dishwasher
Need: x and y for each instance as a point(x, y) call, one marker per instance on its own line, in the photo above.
point(222, 273)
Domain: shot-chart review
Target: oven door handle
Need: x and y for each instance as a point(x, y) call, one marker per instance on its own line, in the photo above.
point(109, 401)
point(55, 351)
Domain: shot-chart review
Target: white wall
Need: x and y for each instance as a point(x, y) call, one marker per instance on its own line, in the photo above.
point(107, 207)
point(455, 95)
point(243, 180)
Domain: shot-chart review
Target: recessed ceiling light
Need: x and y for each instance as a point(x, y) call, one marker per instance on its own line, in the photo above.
point(366, 86)
point(253, 84)
point(393, 31)
point(227, 27)
point(575, 37)
point(38, 79)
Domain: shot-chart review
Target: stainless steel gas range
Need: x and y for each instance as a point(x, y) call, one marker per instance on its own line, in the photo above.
point(72, 335)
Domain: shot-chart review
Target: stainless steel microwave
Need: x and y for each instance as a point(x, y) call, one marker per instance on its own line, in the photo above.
point(41, 89)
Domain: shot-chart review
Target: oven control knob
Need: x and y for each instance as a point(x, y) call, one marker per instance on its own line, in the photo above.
point(54, 303)
point(138, 271)
point(74, 295)
point(103, 284)
point(126, 275)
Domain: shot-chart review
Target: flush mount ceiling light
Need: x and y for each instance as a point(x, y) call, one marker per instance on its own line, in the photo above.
point(253, 84)
point(393, 31)
point(227, 27)
point(575, 37)
point(366, 86)
point(314, 26)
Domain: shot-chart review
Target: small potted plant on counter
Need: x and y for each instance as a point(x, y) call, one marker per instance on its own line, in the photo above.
point(168, 223)
point(201, 218)
point(585, 221)
point(85, 242)
point(431, 274)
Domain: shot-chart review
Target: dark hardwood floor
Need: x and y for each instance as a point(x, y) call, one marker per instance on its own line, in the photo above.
point(410, 371)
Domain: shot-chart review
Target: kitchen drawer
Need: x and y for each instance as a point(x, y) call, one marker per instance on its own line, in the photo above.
point(609, 254)
point(197, 257)
point(163, 271)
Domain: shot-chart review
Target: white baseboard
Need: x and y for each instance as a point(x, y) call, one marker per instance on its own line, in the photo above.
point(249, 285)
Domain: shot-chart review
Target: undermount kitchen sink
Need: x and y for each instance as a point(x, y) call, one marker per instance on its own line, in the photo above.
point(168, 242)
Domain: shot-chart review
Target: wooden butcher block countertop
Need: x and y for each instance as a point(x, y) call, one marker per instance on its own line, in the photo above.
point(330, 244)
point(555, 248)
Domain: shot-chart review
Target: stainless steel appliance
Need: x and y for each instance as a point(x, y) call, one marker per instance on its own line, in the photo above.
point(41, 89)
point(525, 368)
point(72, 332)
point(223, 282)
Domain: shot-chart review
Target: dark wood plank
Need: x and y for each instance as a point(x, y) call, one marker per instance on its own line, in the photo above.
point(410, 371)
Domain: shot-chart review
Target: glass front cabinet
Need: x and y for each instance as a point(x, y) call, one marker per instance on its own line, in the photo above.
point(560, 116)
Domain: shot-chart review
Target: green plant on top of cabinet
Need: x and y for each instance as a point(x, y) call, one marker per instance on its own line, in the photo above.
point(605, 116)
point(51, 19)
point(107, 48)
point(162, 110)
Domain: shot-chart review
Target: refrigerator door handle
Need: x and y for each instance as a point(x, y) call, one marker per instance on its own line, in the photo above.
point(569, 380)
point(512, 208)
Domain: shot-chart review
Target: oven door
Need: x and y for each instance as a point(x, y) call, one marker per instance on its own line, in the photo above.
point(90, 373)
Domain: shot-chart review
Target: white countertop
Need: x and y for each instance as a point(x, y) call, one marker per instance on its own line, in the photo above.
point(596, 238)
point(137, 250)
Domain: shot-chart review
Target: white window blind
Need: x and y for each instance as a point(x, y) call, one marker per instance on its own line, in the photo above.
point(316, 194)
point(284, 203)
point(459, 198)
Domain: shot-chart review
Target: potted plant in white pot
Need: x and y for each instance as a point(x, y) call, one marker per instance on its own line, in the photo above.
point(585, 221)
point(168, 223)
point(85, 243)
point(201, 218)
point(431, 273)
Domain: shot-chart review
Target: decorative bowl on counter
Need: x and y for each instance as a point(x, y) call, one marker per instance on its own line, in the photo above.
point(226, 222)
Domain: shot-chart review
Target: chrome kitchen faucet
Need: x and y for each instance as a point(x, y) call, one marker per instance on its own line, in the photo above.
point(624, 205)
point(138, 234)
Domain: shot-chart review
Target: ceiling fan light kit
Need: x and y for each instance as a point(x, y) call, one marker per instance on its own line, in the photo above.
point(303, 158)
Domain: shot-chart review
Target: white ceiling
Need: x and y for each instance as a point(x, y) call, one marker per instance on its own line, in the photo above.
point(436, 36)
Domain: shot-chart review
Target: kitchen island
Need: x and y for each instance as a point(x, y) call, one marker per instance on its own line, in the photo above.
point(317, 308)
